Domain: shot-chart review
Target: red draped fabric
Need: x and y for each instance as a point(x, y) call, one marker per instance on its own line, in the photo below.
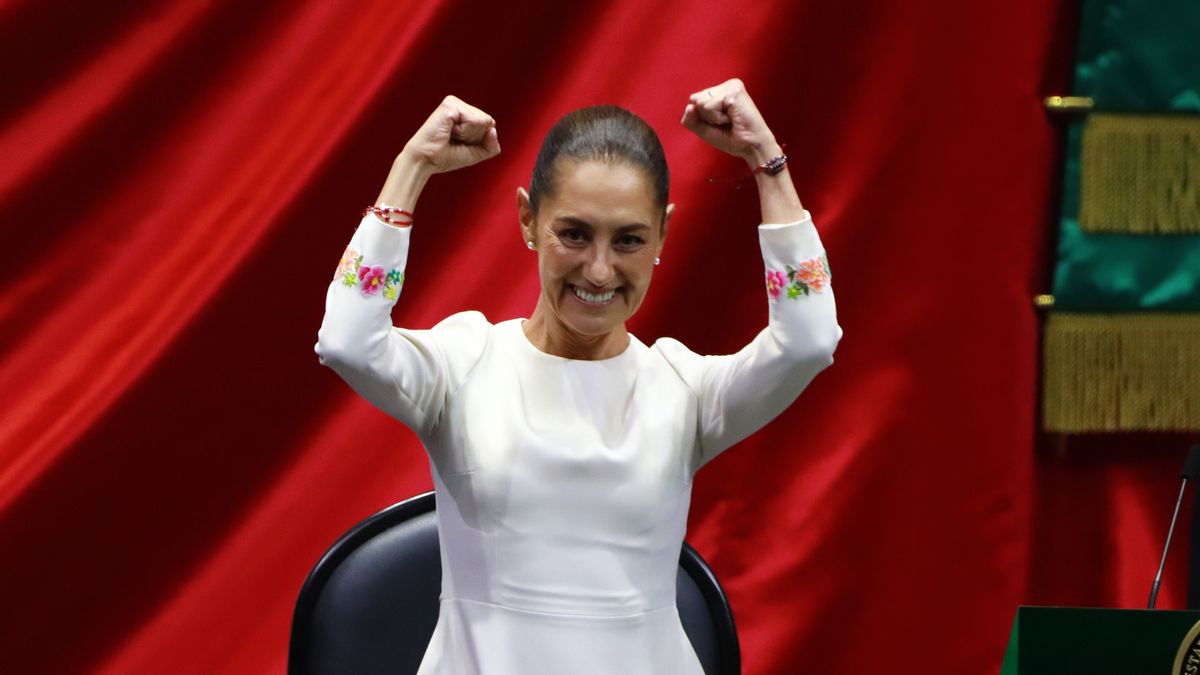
point(178, 179)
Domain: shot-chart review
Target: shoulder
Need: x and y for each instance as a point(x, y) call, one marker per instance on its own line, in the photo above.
point(687, 364)
point(467, 323)
point(463, 335)
point(671, 348)
point(457, 341)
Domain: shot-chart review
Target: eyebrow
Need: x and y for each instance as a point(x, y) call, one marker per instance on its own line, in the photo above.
point(580, 222)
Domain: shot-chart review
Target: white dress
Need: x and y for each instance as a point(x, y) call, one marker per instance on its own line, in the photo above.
point(563, 486)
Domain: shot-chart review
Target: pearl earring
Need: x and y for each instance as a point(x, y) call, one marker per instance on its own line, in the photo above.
point(657, 261)
point(529, 244)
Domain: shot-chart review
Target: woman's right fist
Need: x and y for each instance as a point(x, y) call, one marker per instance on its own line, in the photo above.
point(454, 136)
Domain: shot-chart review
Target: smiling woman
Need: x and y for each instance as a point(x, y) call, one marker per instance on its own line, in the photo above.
point(563, 448)
point(597, 210)
point(597, 252)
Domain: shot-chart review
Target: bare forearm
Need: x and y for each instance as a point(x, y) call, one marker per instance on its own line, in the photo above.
point(455, 135)
point(726, 118)
point(405, 182)
point(776, 194)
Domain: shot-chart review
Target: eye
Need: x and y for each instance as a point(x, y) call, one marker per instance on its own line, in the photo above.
point(572, 236)
point(629, 242)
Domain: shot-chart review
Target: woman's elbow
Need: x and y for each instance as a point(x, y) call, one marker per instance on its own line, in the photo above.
point(334, 349)
point(829, 344)
point(816, 350)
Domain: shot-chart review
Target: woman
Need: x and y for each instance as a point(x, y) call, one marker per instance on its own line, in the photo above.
point(562, 448)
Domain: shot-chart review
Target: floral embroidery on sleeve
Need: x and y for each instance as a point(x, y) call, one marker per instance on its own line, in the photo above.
point(810, 276)
point(347, 269)
point(370, 279)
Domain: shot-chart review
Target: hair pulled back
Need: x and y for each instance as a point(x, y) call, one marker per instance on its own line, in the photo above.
point(605, 133)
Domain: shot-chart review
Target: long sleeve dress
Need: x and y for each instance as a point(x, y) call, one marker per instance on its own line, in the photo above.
point(562, 486)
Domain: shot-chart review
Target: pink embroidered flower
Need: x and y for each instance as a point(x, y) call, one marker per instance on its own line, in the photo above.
point(348, 263)
point(812, 274)
point(776, 280)
point(371, 279)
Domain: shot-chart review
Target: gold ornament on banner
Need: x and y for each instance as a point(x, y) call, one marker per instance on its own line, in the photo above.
point(1140, 174)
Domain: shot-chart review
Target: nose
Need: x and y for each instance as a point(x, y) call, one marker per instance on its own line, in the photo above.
point(598, 269)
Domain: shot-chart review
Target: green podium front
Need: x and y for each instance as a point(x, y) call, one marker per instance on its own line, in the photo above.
point(1065, 640)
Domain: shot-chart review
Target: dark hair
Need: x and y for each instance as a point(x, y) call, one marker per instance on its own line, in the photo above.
point(607, 133)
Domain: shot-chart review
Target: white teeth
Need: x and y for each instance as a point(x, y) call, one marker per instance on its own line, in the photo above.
point(594, 298)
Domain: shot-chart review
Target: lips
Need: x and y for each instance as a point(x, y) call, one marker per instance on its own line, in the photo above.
point(594, 298)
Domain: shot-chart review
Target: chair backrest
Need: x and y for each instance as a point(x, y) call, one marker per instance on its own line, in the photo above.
point(371, 602)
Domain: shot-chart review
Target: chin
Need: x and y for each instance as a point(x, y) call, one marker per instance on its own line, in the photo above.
point(590, 325)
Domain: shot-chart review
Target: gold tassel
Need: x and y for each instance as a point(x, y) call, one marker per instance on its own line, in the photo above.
point(1121, 372)
point(1140, 174)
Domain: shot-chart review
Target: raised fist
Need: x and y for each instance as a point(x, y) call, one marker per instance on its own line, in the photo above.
point(726, 118)
point(454, 136)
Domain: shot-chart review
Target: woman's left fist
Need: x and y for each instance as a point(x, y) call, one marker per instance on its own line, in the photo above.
point(725, 117)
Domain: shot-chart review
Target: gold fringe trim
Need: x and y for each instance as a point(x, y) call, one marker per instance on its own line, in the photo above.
point(1140, 174)
point(1121, 372)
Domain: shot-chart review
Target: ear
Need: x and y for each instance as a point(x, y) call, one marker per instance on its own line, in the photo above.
point(525, 216)
point(662, 229)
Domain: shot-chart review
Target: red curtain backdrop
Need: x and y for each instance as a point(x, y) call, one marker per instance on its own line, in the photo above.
point(178, 179)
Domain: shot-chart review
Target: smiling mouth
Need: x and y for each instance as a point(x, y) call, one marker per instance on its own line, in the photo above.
point(597, 299)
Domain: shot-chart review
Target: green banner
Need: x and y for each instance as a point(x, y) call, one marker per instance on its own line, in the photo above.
point(1133, 58)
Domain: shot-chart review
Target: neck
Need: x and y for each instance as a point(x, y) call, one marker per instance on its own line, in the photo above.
point(550, 335)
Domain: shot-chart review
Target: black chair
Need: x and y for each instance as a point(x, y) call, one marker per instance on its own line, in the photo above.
point(370, 604)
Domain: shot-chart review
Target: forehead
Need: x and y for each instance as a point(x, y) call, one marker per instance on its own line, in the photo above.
point(603, 191)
